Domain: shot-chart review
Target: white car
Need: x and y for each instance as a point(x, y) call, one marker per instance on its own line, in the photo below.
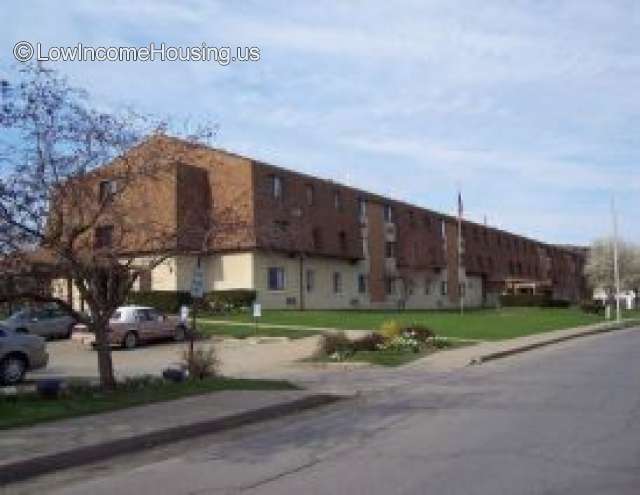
point(132, 325)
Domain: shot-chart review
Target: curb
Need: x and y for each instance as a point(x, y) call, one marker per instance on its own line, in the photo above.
point(24, 469)
point(517, 350)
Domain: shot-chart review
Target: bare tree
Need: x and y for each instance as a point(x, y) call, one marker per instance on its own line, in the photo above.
point(599, 267)
point(96, 225)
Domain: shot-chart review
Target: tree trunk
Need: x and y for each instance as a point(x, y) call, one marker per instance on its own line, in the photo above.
point(105, 364)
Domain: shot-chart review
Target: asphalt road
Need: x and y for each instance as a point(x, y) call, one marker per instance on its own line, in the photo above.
point(562, 420)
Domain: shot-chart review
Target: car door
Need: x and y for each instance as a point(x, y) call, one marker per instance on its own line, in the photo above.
point(38, 323)
point(158, 324)
point(145, 330)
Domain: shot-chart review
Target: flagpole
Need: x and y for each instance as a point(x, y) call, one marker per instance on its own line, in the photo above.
point(461, 291)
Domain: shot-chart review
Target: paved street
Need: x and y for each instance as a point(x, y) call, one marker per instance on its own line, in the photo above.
point(564, 419)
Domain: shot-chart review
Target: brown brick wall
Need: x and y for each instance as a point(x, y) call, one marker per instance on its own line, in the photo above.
point(288, 223)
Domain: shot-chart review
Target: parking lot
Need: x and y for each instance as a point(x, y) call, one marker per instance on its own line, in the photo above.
point(238, 357)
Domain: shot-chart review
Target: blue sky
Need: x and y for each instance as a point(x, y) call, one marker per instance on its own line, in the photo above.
point(532, 106)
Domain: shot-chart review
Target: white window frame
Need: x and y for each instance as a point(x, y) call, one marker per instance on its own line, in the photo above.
point(281, 278)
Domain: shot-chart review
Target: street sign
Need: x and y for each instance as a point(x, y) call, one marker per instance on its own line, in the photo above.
point(257, 310)
point(197, 283)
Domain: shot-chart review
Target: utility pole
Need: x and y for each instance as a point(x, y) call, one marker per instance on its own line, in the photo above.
point(616, 267)
point(461, 284)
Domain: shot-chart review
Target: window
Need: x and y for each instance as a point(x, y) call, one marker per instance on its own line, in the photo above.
point(388, 214)
point(389, 285)
point(103, 236)
point(342, 240)
point(310, 278)
point(275, 278)
point(107, 189)
point(362, 208)
point(337, 282)
point(427, 286)
point(362, 283)
point(309, 192)
point(443, 288)
point(337, 200)
point(316, 238)
point(276, 187)
point(412, 218)
point(390, 249)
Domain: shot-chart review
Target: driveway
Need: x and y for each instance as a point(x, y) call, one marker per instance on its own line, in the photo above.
point(564, 419)
point(247, 357)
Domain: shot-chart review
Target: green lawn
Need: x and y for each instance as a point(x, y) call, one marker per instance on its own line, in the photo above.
point(242, 332)
point(29, 409)
point(489, 324)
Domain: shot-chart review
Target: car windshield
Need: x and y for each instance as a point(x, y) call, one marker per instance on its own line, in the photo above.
point(117, 316)
point(21, 315)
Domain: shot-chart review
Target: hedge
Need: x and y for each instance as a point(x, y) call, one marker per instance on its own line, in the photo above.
point(230, 300)
point(167, 301)
point(522, 299)
point(540, 300)
point(170, 301)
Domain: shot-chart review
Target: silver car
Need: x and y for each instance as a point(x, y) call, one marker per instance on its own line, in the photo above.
point(46, 322)
point(19, 353)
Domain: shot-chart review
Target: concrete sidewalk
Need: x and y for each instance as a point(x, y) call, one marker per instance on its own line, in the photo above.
point(31, 451)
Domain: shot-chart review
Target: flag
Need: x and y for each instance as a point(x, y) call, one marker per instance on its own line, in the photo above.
point(460, 207)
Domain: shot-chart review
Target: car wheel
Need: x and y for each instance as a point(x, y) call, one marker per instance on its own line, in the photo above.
point(67, 334)
point(179, 334)
point(12, 369)
point(130, 340)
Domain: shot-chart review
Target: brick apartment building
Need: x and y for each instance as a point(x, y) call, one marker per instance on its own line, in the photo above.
point(304, 242)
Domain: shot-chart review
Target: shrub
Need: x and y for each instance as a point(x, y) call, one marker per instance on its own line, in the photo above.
point(592, 307)
point(522, 299)
point(370, 342)
point(401, 343)
point(555, 303)
point(334, 342)
point(391, 329)
point(202, 364)
point(167, 301)
point(230, 300)
point(420, 333)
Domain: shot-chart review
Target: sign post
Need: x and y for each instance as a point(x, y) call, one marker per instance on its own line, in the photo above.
point(257, 313)
point(197, 292)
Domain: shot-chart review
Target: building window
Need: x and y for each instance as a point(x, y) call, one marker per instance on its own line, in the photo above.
point(362, 208)
point(389, 285)
point(309, 192)
point(412, 219)
point(427, 286)
point(362, 283)
point(388, 213)
point(275, 278)
point(103, 237)
point(337, 200)
point(276, 187)
point(444, 288)
point(337, 282)
point(316, 238)
point(107, 190)
point(342, 240)
point(310, 278)
point(390, 249)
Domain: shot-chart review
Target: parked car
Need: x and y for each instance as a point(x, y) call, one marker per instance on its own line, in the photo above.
point(133, 325)
point(19, 353)
point(46, 322)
